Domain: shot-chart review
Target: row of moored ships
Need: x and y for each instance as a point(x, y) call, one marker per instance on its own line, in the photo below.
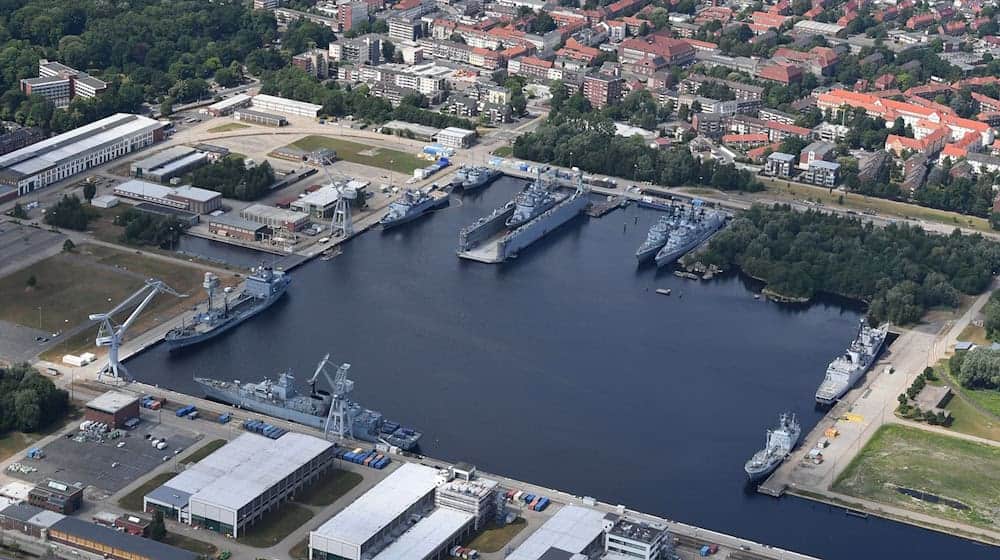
point(414, 203)
point(678, 232)
point(842, 373)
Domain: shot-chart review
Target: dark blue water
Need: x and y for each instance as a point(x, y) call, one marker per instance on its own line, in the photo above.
point(565, 368)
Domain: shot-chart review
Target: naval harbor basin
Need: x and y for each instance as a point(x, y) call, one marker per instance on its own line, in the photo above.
point(563, 367)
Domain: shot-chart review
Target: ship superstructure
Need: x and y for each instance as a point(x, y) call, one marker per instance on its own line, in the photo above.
point(262, 288)
point(693, 229)
point(412, 204)
point(327, 410)
point(657, 236)
point(478, 177)
point(780, 442)
point(845, 370)
point(533, 201)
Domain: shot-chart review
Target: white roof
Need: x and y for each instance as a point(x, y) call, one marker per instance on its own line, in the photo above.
point(321, 197)
point(427, 535)
point(177, 164)
point(112, 402)
point(454, 130)
point(234, 100)
point(163, 157)
point(138, 187)
point(69, 145)
point(571, 529)
point(244, 468)
point(195, 193)
point(382, 505)
point(264, 98)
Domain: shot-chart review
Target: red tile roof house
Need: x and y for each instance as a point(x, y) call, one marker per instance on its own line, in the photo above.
point(784, 73)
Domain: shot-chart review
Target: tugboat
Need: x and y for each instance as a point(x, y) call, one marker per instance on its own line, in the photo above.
point(263, 287)
point(412, 204)
point(780, 442)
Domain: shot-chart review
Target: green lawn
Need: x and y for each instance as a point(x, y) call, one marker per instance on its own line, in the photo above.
point(975, 334)
point(329, 488)
point(384, 158)
point(276, 525)
point(228, 127)
point(503, 151)
point(494, 538)
point(203, 451)
point(133, 500)
point(201, 548)
point(950, 468)
point(987, 399)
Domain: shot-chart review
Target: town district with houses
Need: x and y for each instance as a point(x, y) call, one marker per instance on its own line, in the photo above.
point(170, 168)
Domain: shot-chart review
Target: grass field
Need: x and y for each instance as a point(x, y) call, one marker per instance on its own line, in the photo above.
point(203, 451)
point(986, 399)
point(503, 151)
point(201, 548)
point(228, 127)
point(276, 525)
point(493, 538)
point(133, 500)
point(949, 468)
point(330, 488)
point(975, 334)
point(882, 206)
point(384, 158)
point(110, 274)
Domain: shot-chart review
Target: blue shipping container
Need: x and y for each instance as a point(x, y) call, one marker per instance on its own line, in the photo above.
point(704, 551)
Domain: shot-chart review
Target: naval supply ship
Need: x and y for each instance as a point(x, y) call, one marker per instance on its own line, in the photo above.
point(657, 236)
point(844, 371)
point(478, 177)
point(412, 204)
point(262, 288)
point(780, 442)
point(691, 231)
point(281, 399)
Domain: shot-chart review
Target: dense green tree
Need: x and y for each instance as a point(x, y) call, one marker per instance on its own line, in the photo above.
point(141, 228)
point(231, 177)
point(68, 213)
point(89, 190)
point(28, 401)
point(980, 369)
point(157, 528)
point(18, 212)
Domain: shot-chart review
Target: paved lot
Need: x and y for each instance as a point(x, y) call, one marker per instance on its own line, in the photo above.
point(89, 463)
point(21, 245)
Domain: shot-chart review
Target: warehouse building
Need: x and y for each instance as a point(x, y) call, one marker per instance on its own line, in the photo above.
point(366, 526)
point(572, 530)
point(236, 228)
point(454, 137)
point(56, 496)
point(227, 106)
point(167, 164)
point(113, 408)
point(232, 488)
point(275, 218)
point(319, 203)
point(110, 543)
point(186, 198)
point(270, 103)
point(257, 117)
point(470, 493)
point(52, 160)
point(28, 519)
point(411, 130)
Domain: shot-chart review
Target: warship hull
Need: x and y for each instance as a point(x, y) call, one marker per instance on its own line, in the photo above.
point(409, 217)
point(829, 396)
point(274, 410)
point(646, 254)
point(664, 258)
point(243, 312)
point(482, 181)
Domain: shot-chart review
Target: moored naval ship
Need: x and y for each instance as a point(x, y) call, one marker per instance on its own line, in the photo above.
point(262, 288)
point(780, 442)
point(657, 237)
point(531, 202)
point(459, 177)
point(478, 177)
point(844, 371)
point(692, 230)
point(280, 399)
point(412, 204)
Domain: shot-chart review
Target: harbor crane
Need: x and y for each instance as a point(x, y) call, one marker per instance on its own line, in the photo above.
point(111, 336)
point(340, 406)
point(341, 224)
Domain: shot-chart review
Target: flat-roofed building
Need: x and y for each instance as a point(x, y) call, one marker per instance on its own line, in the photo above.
point(472, 494)
point(113, 408)
point(364, 528)
point(629, 539)
point(227, 106)
point(275, 218)
point(258, 117)
point(60, 497)
point(319, 203)
point(431, 537)
point(28, 519)
point(454, 137)
point(60, 84)
point(185, 197)
point(113, 544)
point(572, 530)
point(167, 164)
point(236, 228)
point(272, 104)
point(232, 488)
point(77, 151)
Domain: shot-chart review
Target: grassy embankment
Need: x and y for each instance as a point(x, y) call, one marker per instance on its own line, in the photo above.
point(228, 127)
point(944, 467)
point(373, 156)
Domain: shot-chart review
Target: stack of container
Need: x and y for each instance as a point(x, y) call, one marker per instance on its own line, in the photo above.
point(151, 403)
point(264, 429)
point(186, 410)
point(368, 458)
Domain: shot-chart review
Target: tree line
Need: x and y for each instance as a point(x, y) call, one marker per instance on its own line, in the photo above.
point(28, 401)
point(899, 271)
point(231, 177)
point(143, 228)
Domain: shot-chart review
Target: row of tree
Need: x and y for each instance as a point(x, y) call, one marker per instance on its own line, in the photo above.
point(899, 270)
point(29, 401)
point(142, 228)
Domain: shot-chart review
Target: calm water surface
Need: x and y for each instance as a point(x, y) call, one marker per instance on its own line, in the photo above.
point(565, 368)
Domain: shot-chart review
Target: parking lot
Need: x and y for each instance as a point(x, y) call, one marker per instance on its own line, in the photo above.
point(106, 464)
point(21, 245)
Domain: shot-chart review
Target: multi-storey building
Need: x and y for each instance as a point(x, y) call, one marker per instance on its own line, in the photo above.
point(405, 29)
point(351, 13)
point(360, 50)
point(315, 62)
point(601, 90)
point(60, 84)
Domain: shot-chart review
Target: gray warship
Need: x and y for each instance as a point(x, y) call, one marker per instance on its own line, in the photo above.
point(262, 288)
point(478, 177)
point(412, 204)
point(657, 237)
point(461, 174)
point(844, 371)
point(692, 230)
point(533, 201)
point(780, 442)
point(281, 399)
